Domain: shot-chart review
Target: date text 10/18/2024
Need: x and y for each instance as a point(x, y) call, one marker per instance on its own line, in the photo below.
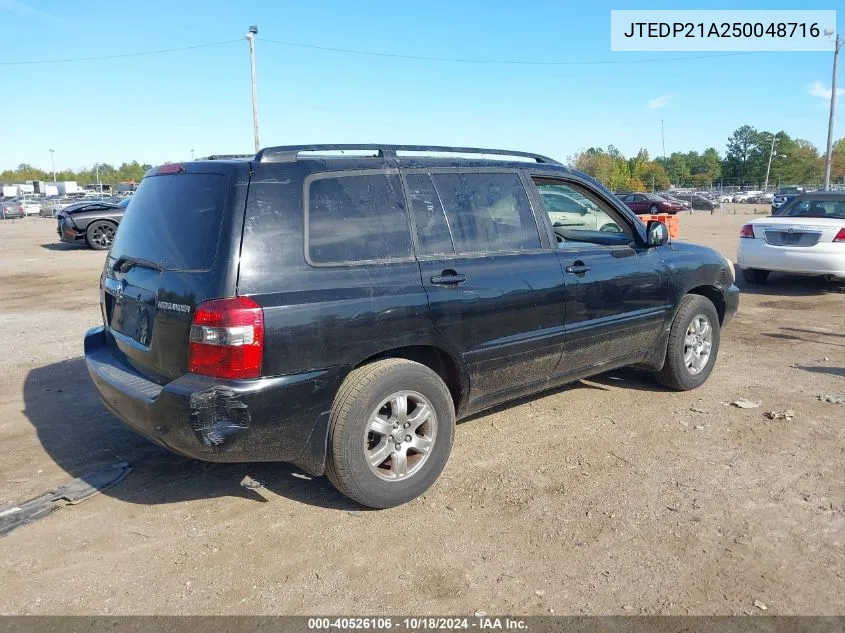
point(479, 622)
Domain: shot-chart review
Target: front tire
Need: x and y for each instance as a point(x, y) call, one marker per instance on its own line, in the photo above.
point(755, 275)
point(391, 432)
point(693, 345)
point(653, 209)
point(100, 235)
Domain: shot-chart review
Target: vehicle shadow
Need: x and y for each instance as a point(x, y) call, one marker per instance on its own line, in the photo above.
point(792, 337)
point(530, 398)
point(832, 371)
point(819, 332)
point(81, 436)
point(625, 378)
point(783, 285)
point(631, 378)
point(63, 246)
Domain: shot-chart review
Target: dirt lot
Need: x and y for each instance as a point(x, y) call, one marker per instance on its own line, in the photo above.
point(608, 496)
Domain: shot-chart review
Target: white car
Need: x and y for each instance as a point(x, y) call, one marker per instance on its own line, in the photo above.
point(743, 196)
point(806, 237)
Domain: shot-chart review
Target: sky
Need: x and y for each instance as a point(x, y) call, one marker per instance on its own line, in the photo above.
point(156, 108)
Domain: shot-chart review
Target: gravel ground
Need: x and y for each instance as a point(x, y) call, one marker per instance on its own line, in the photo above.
point(608, 496)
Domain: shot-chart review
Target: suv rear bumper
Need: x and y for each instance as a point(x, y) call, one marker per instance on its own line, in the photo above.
point(283, 418)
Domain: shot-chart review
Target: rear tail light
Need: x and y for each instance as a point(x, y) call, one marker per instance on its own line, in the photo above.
point(746, 231)
point(227, 339)
point(840, 237)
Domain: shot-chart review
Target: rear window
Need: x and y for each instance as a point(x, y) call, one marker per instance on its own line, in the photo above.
point(356, 218)
point(174, 221)
point(833, 209)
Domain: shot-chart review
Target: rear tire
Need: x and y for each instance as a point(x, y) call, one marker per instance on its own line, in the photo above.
point(684, 367)
point(375, 410)
point(755, 275)
point(100, 234)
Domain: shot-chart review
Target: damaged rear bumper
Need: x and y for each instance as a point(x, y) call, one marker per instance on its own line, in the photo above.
point(283, 418)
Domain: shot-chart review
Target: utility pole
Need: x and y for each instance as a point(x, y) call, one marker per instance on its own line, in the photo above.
point(53, 163)
point(99, 187)
point(828, 155)
point(663, 138)
point(250, 36)
point(769, 166)
point(192, 154)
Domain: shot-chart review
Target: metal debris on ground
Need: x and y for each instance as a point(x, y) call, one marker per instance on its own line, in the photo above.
point(786, 414)
point(742, 403)
point(71, 493)
point(251, 484)
point(829, 397)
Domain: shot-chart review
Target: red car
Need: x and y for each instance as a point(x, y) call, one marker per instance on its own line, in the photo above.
point(650, 203)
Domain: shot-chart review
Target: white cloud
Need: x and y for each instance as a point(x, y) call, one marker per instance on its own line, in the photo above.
point(819, 89)
point(659, 102)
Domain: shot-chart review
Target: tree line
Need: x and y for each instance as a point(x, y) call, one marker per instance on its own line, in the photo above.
point(794, 162)
point(744, 164)
point(109, 174)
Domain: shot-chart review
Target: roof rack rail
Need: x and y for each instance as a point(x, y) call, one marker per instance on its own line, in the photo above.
point(226, 156)
point(290, 153)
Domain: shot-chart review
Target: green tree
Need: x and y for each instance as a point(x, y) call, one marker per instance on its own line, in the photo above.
point(837, 161)
point(743, 150)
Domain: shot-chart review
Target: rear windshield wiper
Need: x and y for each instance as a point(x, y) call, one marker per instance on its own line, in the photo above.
point(125, 262)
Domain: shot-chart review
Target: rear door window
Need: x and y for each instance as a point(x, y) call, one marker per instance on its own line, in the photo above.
point(356, 218)
point(487, 212)
point(174, 221)
point(433, 235)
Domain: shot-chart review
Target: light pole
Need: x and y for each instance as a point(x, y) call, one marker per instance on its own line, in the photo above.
point(99, 187)
point(53, 163)
point(837, 44)
point(769, 166)
point(192, 154)
point(250, 36)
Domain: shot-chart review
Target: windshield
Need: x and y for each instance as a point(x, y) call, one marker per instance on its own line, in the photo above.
point(784, 191)
point(816, 209)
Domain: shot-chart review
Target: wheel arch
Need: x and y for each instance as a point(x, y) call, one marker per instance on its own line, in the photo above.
point(441, 362)
point(717, 298)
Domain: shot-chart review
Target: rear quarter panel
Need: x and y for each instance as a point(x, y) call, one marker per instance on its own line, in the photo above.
point(322, 316)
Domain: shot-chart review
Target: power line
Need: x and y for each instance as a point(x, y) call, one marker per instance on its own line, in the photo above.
point(503, 61)
point(351, 51)
point(117, 56)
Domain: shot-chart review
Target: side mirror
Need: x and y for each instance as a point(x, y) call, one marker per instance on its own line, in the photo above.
point(658, 233)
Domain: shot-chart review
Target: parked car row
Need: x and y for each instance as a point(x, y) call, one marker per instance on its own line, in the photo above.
point(51, 206)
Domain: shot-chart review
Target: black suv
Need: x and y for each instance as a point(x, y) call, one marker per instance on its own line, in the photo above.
point(341, 312)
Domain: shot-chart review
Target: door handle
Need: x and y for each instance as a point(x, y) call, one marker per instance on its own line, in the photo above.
point(448, 280)
point(578, 268)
